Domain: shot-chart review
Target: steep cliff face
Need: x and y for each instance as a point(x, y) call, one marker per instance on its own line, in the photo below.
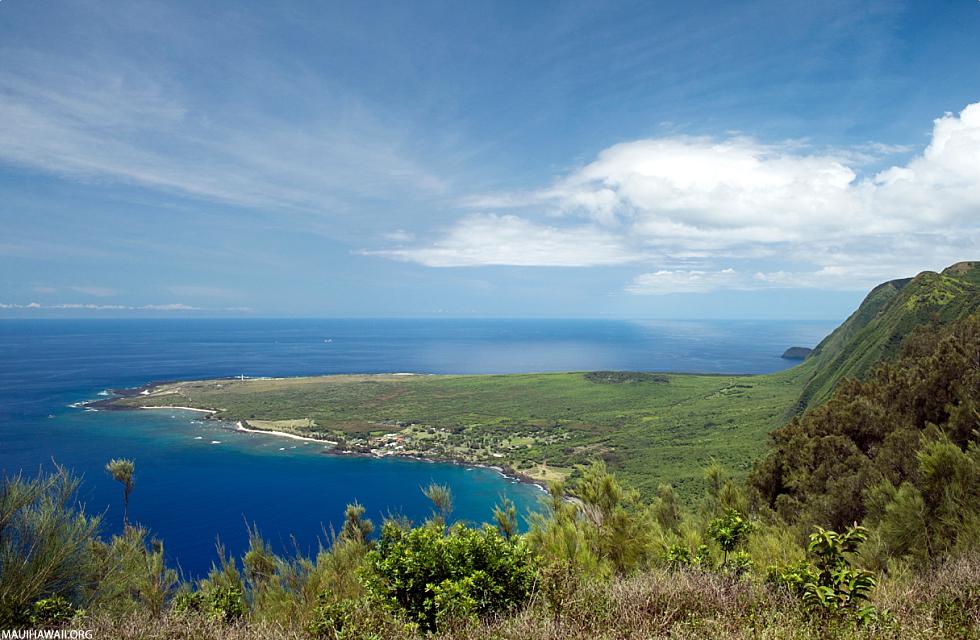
point(874, 332)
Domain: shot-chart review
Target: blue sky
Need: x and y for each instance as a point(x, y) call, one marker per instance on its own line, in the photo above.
point(649, 160)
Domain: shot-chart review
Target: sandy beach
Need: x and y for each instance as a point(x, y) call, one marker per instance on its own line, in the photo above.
point(208, 411)
point(292, 436)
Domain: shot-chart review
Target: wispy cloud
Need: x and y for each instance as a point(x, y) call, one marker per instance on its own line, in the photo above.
point(167, 307)
point(853, 277)
point(488, 239)
point(667, 281)
point(118, 123)
point(399, 235)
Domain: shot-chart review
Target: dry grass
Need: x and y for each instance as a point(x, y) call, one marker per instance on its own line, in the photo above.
point(144, 627)
point(943, 603)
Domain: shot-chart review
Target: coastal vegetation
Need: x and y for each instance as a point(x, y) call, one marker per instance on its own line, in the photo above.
point(861, 519)
point(650, 428)
point(598, 562)
point(124, 472)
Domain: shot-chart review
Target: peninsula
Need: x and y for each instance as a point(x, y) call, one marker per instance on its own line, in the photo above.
point(652, 427)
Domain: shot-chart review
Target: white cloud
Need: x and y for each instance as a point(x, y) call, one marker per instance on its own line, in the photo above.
point(675, 200)
point(848, 275)
point(702, 193)
point(399, 235)
point(488, 239)
point(170, 307)
point(678, 281)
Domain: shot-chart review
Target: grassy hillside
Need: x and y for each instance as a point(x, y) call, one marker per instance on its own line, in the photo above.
point(650, 428)
point(889, 313)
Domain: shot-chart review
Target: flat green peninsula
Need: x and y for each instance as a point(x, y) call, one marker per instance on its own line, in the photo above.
point(648, 427)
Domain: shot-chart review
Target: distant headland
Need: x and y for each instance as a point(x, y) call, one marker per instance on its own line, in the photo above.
point(797, 353)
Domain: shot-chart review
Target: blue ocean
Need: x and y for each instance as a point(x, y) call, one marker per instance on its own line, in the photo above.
point(200, 480)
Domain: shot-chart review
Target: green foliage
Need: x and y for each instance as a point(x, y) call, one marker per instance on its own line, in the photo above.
point(423, 572)
point(467, 583)
point(938, 512)
point(51, 612)
point(188, 602)
point(738, 564)
point(335, 572)
point(505, 517)
point(356, 527)
point(222, 594)
point(829, 583)
point(222, 604)
point(45, 544)
point(124, 472)
point(729, 532)
point(225, 603)
point(565, 544)
point(667, 508)
point(442, 502)
point(599, 528)
point(49, 553)
point(890, 312)
point(899, 448)
point(130, 574)
point(356, 619)
point(617, 522)
point(681, 557)
point(774, 543)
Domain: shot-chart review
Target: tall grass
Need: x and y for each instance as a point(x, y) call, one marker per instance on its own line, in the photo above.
point(942, 604)
point(45, 543)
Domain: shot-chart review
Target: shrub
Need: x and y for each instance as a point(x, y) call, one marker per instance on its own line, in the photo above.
point(829, 583)
point(222, 604)
point(738, 564)
point(729, 532)
point(679, 556)
point(221, 595)
point(225, 604)
point(344, 620)
point(131, 574)
point(416, 570)
point(187, 602)
point(51, 612)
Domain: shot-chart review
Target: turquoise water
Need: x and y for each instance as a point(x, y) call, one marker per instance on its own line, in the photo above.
point(197, 480)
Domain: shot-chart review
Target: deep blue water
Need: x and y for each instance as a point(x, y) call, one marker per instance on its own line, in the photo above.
point(196, 480)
